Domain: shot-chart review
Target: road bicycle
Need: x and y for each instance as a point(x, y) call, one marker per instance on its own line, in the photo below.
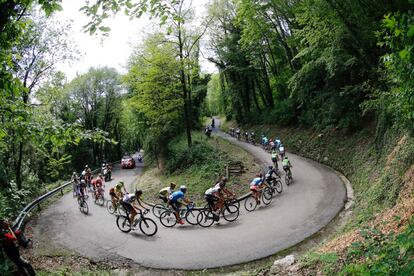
point(168, 218)
point(159, 208)
point(83, 206)
point(288, 177)
point(98, 197)
point(147, 226)
point(266, 197)
point(118, 210)
point(275, 183)
point(207, 217)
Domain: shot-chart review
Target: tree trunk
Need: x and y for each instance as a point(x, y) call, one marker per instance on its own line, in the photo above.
point(187, 113)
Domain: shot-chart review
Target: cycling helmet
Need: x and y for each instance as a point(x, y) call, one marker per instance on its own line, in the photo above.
point(172, 185)
point(138, 193)
point(270, 167)
point(224, 179)
point(86, 166)
point(83, 181)
point(120, 185)
point(183, 188)
point(286, 157)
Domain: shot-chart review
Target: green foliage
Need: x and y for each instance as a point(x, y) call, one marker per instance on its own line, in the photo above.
point(380, 254)
point(155, 93)
point(398, 37)
point(180, 157)
point(326, 260)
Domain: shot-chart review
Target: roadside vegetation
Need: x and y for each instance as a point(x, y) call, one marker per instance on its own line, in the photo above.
point(200, 168)
point(383, 182)
point(336, 75)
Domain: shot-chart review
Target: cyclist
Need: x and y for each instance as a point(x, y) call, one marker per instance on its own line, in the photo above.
point(252, 137)
point(238, 133)
point(223, 190)
point(212, 196)
point(132, 204)
point(81, 189)
point(118, 189)
point(98, 185)
point(117, 194)
point(246, 136)
point(287, 165)
point(75, 183)
point(265, 141)
point(274, 157)
point(278, 142)
point(270, 172)
point(272, 144)
point(213, 122)
point(256, 187)
point(175, 203)
point(166, 192)
point(282, 151)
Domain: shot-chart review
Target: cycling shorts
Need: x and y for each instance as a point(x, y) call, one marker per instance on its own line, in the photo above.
point(254, 188)
point(176, 205)
point(127, 206)
point(211, 199)
point(164, 198)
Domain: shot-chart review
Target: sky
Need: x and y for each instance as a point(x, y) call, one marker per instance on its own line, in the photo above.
point(114, 50)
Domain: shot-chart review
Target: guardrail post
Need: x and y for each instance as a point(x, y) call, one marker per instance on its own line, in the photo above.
point(61, 192)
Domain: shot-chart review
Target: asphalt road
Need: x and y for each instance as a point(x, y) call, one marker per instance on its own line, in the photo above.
point(304, 207)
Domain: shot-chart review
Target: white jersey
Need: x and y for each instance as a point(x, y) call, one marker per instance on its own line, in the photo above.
point(128, 198)
point(212, 191)
point(282, 149)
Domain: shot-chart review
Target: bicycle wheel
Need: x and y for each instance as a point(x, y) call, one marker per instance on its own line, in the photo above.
point(168, 219)
point(267, 195)
point(231, 212)
point(83, 207)
point(234, 202)
point(123, 224)
point(110, 207)
point(287, 179)
point(158, 209)
point(148, 226)
point(205, 218)
point(277, 185)
point(100, 200)
point(250, 203)
point(191, 217)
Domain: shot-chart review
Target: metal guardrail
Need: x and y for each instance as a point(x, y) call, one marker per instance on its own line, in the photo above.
point(17, 224)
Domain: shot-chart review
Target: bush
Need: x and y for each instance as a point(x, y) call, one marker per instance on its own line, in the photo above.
point(381, 254)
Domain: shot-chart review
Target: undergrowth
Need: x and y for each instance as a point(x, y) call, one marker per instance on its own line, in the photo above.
point(199, 167)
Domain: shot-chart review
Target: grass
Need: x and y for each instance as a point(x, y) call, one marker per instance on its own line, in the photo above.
point(201, 176)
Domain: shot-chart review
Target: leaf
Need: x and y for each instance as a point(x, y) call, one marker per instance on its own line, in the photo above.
point(404, 54)
point(104, 29)
point(410, 32)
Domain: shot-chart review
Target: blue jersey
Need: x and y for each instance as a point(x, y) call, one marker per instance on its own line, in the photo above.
point(174, 197)
point(256, 182)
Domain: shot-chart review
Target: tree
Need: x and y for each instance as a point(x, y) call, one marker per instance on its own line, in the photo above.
point(154, 84)
point(175, 16)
